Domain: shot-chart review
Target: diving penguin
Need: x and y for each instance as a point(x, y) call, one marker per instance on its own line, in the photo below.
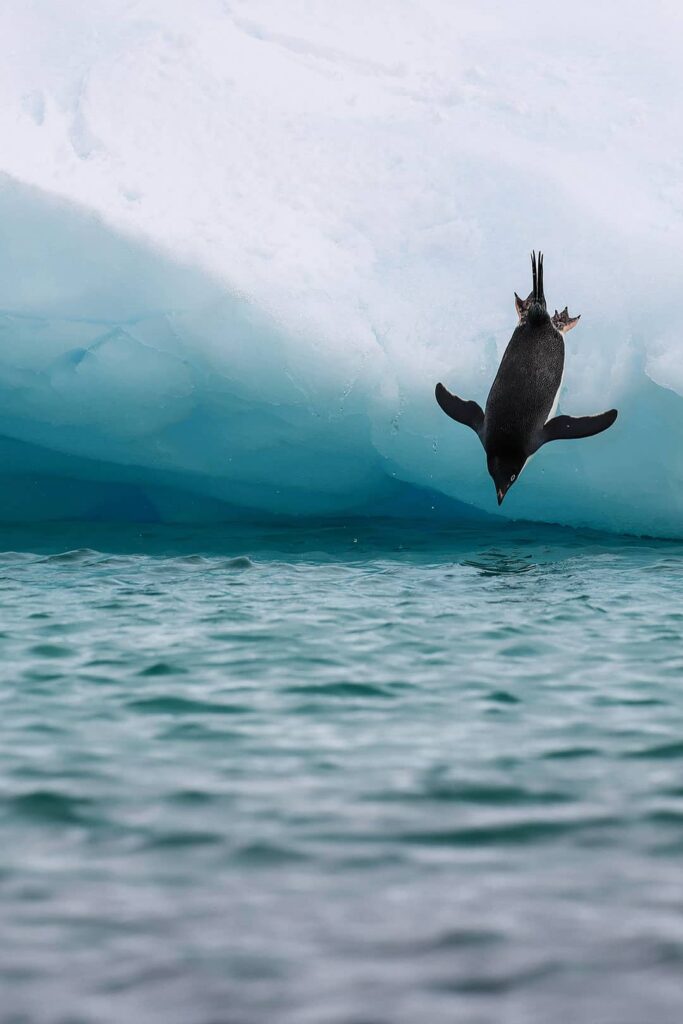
point(523, 397)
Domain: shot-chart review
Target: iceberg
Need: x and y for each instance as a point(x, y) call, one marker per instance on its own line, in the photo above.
point(240, 244)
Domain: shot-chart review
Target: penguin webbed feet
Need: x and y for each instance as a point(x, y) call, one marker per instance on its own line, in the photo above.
point(563, 322)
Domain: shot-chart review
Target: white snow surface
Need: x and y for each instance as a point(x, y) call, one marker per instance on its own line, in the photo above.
point(241, 240)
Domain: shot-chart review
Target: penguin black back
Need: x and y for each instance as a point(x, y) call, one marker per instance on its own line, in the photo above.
point(529, 376)
point(524, 393)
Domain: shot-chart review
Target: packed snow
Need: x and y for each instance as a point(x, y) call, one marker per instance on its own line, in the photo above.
point(241, 241)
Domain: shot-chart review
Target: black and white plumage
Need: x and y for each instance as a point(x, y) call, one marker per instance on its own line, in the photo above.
point(523, 397)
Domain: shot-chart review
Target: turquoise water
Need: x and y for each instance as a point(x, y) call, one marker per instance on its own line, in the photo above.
point(360, 773)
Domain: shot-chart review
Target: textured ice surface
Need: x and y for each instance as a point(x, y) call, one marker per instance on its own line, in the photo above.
point(240, 241)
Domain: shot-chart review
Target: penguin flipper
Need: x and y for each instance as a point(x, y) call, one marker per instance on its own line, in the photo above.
point(469, 413)
point(562, 427)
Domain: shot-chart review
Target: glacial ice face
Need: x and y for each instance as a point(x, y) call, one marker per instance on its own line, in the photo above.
point(238, 247)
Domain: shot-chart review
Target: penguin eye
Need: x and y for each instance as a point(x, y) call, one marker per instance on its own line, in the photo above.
point(513, 478)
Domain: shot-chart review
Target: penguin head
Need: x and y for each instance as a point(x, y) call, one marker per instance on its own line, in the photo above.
point(505, 469)
point(563, 322)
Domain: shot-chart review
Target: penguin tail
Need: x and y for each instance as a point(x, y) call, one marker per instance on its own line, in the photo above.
point(537, 278)
point(537, 293)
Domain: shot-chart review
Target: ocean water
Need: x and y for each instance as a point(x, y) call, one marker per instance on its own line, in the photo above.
point(357, 772)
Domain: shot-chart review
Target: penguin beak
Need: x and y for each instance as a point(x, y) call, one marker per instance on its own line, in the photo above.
point(501, 495)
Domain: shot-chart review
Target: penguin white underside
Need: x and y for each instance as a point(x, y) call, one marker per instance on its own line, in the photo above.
point(556, 402)
point(556, 399)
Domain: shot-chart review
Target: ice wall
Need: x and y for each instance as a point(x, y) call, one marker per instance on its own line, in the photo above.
point(240, 241)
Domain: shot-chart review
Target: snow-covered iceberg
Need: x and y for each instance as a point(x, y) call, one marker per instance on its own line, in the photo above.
point(240, 242)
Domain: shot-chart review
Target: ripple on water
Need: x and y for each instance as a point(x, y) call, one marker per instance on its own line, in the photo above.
point(196, 732)
point(495, 984)
point(445, 940)
point(570, 753)
point(162, 668)
point(38, 675)
point(501, 794)
point(170, 705)
point(499, 563)
point(503, 697)
point(510, 833)
point(430, 761)
point(187, 839)
point(71, 557)
point(254, 636)
point(192, 797)
point(264, 854)
point(340, 690)
point(523, 650)
point(659, 752)
point(42, 805)
point(628, 702)
point(239, 562)
point(48, 650)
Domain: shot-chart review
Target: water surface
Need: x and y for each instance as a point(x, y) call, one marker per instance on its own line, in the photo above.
point(344, 773)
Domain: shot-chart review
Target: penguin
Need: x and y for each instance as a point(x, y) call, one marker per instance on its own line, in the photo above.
point(520, 410)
